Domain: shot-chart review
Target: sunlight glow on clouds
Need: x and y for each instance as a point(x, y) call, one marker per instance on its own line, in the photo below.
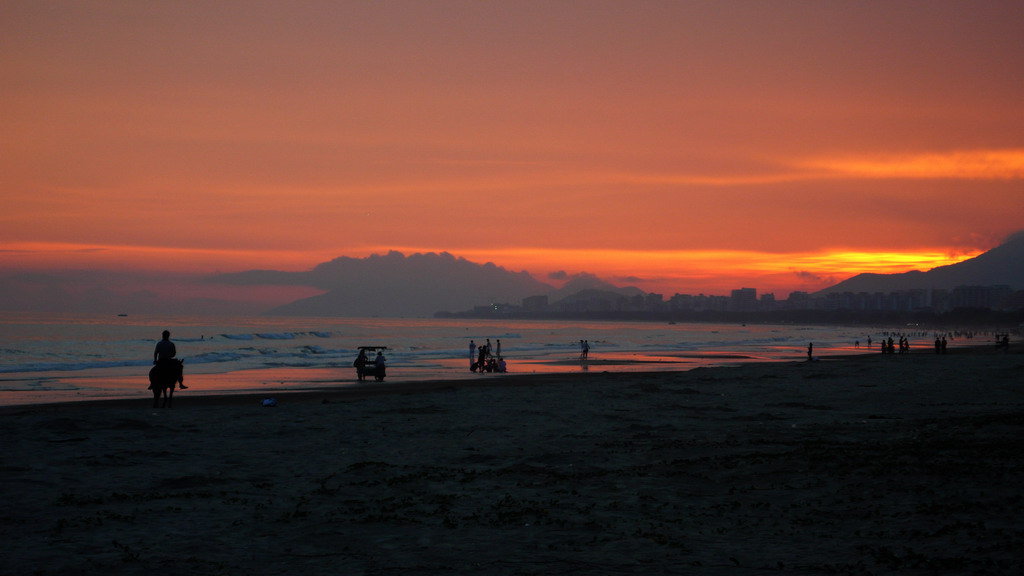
point(968, 165)
point(33, 256)
point(667, 271)
point(961, 165)
point(679, 146)
point(689, 271)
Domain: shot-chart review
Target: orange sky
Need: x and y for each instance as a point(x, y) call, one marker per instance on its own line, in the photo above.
point(677, 146)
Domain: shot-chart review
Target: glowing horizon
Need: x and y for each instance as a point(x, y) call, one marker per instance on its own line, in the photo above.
point(645, 269)
point(680, 147)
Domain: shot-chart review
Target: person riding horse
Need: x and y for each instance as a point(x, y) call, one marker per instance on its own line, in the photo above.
point(163, 356)
point(167, 371)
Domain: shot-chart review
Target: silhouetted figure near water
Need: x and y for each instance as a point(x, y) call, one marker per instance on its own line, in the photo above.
point(379, 366)
point(938, 345)
point(165, 349)
point(360, 364)
point(584, 349)
point(481, 360)
point(943, 344)
point(164, 356)
point(810, 351)
point(163, 377)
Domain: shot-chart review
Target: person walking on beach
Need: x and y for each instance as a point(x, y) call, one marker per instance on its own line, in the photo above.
point(360, 364)
point(584, 349)
point(165, 352)
point(379, 366)
point(810, 351)
point(472, 353)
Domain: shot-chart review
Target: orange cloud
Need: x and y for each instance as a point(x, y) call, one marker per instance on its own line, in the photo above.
point(966, 165)
point(54, 255)
point(959, 165)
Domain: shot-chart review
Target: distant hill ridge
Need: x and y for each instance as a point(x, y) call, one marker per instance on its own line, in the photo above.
point(417, 285)
point(420, 285)
point(1003, 264)
point(396, 285)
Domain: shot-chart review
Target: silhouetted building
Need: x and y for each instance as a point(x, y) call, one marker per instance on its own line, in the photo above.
point(681, 302)
point(744, 300)
point(992, 297)
point(799, 301)
point(655, 302)
point(999, 298)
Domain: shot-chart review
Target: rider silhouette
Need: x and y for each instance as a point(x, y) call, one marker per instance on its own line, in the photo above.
point(165, 352)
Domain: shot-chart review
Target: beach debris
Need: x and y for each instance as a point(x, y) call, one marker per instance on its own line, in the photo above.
point(269, 402)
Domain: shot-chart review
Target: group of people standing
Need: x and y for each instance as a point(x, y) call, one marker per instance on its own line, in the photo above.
point(483, 359)
point(889, 346)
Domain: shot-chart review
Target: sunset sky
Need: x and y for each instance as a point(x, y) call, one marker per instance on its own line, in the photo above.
point(679, 146)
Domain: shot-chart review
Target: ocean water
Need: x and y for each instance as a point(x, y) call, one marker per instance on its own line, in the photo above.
point(50, 357)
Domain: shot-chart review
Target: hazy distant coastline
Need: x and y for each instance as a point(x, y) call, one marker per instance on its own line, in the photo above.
point(962, 317)
point(424, 285)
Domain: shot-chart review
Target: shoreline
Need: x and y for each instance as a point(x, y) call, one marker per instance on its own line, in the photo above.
point(354, 390)
point(866, 464)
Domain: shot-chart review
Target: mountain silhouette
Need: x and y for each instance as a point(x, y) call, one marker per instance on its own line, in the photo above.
point(396, 285)
point(1003, 264)
point(585, 282)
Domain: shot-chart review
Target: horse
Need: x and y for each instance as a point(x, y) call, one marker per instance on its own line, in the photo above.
point(162, 379)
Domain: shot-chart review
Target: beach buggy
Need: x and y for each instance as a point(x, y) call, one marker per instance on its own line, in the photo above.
point(368, 363)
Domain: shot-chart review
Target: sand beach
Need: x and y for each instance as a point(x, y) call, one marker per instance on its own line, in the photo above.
point(862, 465)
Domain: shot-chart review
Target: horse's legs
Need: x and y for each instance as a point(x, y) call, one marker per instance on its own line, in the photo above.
point(169, 396)
point(156, 397)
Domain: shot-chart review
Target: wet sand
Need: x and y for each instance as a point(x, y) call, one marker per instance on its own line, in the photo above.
point(861, 465)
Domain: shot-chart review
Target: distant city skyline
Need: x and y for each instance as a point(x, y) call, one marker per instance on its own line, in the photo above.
point(675, 146)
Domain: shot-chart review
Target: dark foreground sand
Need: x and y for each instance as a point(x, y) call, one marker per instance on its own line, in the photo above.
point(872, 465)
